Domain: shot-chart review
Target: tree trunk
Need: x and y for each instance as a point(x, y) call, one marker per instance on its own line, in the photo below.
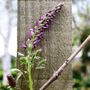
point(6, 29)
point(56, 42)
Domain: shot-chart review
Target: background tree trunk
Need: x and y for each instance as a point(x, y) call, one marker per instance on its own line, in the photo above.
point(56, 42)
point(5, 32)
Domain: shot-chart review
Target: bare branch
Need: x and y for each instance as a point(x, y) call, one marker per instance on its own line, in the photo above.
point(8, 9)
point(61, 69)
point(2, 35)
point(9, 23)
point(76, 26)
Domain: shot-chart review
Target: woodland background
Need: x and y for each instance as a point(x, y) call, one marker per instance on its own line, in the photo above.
point(80, 30)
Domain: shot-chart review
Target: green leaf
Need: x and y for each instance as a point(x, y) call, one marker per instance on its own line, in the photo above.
point(19, 75)
point(77, 75)
point(87, 83)
point(37, 57)
point(15, 70)
point(77, 85)
point(20, 54)
point(38, 51)
point(41, 64)
point(40, 67)
point(23, 60)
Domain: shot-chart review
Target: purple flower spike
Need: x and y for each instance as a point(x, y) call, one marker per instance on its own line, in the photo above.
point(30, 33)
point(45, 26)
point(23, 45)
point(48, 22)
point(53, 15)
point(37, 23)
point(41, 25)
point(42, 17)
point(36, 43)
point(40, 35)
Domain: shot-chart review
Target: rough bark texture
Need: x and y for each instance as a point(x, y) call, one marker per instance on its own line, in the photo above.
point(56, 42)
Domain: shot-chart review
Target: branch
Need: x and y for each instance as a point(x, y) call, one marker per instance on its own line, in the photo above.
point(61, 69)
point(2, 35)
point(8, 3)
point(76, 26)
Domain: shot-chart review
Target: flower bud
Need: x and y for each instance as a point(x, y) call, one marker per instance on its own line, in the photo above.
point(11, 80)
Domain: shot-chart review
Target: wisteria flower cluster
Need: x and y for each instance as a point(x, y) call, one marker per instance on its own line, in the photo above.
point(33, 39)
point(41, 26)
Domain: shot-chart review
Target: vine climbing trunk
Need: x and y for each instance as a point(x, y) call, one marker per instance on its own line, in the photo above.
point(56, 43)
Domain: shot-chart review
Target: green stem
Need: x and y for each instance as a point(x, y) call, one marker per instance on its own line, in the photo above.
point(29, 74)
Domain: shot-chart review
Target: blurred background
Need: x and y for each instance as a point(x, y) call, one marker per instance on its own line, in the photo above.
point(8, 39)
point(80, 30)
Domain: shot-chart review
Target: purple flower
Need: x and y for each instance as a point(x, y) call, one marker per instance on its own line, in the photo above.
point(23, 45)
point(30, 33)
point(42, 17)
point(49, 22)
point(45, 26)
point(53, 15)
point(37, 23)
point(40, 35)
point(41, 25)
point(36, 43)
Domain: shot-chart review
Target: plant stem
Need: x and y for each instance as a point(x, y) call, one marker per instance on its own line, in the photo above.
point(29, 74)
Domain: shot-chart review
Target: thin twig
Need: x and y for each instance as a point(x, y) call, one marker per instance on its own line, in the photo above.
point(61, 69)
point(75, 23)
point(2, 35)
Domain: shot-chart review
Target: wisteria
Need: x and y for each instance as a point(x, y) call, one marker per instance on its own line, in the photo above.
point(32, 40)
point(41, 26)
